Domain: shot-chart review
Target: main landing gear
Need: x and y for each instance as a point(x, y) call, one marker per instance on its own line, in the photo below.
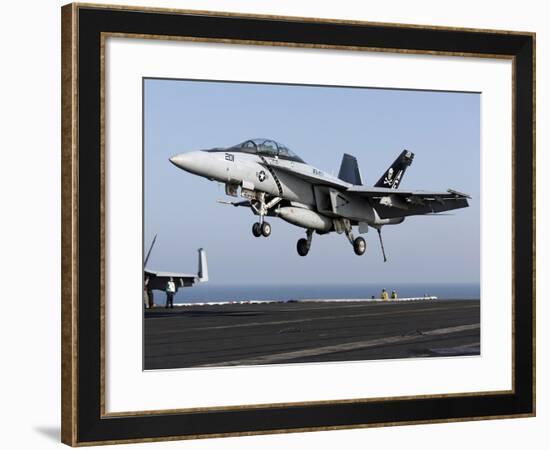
point(303, 245)
point(358, 243)
point(359, 246)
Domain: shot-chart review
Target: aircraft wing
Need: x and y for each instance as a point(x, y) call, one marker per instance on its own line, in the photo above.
point(307, 173)
point(157, 280)
point(400, 202)
point(161, 274)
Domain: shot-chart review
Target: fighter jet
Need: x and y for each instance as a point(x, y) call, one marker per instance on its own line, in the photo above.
point(275, 181)
point(156, 280)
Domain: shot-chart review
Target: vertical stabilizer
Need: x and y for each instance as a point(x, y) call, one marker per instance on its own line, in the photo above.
point(203, 266)
point(393, 176)
point(349, 170)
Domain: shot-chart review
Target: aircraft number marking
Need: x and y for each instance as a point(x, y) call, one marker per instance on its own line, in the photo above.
point(229, 157)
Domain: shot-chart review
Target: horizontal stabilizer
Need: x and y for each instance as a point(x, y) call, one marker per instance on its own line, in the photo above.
point(349, 170)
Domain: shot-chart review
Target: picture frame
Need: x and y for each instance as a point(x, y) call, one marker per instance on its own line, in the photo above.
point(85, 419)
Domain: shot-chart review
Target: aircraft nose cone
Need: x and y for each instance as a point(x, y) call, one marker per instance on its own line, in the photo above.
point(191, 162)
point(177, 160)
point(183, 160)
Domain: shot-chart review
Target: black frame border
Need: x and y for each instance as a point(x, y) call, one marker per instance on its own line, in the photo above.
point(91, 426)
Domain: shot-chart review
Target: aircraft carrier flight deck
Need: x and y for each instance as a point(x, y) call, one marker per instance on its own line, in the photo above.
point(243, 334)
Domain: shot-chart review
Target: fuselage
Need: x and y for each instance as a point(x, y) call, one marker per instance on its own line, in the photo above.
point(310, 198)
point(271, 175)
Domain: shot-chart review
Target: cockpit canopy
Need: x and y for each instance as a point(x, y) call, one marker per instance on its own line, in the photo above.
point(266, 147)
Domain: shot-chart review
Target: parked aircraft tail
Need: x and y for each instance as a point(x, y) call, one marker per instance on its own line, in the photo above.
point(349, 170)
point(393, 176)
point(203, 266)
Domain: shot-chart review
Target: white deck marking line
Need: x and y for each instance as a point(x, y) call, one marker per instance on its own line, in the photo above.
point(278, 357)
point(312, 319)
point(375, 304)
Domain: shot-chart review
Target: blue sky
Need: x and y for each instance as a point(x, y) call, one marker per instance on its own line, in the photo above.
point(319, 124)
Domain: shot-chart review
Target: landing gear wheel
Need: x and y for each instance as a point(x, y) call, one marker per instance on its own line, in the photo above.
point(265, 229)
point(256, 229)
point(303, 247)
point(359, 246)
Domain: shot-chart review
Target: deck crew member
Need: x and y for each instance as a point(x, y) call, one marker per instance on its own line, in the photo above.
point(150, 297)
point(170, 290)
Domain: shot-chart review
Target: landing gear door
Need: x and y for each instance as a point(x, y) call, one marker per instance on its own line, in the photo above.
point(231, 189)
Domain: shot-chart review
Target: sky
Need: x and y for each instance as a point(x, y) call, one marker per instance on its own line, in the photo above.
point(442, 129)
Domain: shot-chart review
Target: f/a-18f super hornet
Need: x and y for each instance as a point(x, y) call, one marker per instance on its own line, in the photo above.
point(277, 182)
point(157, 280)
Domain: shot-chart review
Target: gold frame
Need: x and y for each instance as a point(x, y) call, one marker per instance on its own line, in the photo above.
point(69, 250)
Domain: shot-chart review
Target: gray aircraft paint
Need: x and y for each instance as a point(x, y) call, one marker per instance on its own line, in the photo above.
point(277, 183)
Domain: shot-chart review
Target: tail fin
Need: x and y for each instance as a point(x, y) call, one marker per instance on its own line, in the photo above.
point(203, 266)
point(349, 170)
point(393, 176)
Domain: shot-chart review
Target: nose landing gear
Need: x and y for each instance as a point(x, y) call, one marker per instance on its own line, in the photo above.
point(261, 229)
point(265, 228)
point(261, 208)
point(256, 231)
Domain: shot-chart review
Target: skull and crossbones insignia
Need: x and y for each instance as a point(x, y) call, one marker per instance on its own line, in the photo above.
point(388, 178)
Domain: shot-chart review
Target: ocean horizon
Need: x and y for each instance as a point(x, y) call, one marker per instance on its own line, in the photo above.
point(210, 292)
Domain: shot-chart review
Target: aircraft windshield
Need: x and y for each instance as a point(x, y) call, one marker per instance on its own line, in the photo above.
point(269, 148)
